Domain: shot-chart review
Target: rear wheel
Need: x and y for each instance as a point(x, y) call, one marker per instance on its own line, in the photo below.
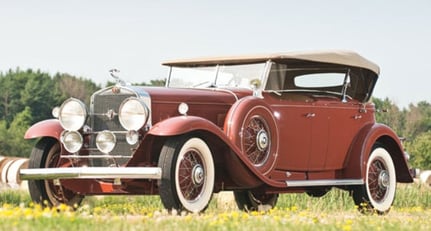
point(251, 201)
point(187, 174)
point(378, 192)
point(46, 154)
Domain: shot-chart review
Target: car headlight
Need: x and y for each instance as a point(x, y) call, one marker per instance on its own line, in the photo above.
point(133, 113)
point(72, 141)
point(105, 141)
point(72, 114)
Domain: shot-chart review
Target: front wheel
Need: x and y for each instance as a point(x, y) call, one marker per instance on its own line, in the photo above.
point(187, 174)
point(251, 201)
point(46, 154)
point(378, 192)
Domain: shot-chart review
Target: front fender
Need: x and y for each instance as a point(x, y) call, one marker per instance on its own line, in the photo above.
point(184, 124)
point(46, 128)
point(363, 145)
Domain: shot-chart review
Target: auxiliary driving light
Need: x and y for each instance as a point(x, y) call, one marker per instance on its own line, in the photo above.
point(72, 141)
point(105, 141)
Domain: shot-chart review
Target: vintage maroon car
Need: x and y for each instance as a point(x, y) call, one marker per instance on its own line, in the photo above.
point(255, 125)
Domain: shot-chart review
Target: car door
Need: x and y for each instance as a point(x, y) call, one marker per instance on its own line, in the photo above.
point(345, 121)
point(294, 124)
point(319, 137)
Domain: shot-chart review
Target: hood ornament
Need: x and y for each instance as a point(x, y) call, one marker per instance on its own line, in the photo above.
point(114, 74)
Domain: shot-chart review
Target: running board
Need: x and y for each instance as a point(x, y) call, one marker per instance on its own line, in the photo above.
point(311, 183)
point(91, 173)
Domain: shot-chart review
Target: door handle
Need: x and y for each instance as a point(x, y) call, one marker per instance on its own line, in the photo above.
point(356, 117)
point(310, 115)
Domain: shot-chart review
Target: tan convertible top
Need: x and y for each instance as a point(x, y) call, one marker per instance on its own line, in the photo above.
point(348, 58)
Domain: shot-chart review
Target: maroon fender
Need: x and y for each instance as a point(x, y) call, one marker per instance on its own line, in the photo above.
point(362, 147)
point(185, 124)
point(50, 128)
point(238, 118)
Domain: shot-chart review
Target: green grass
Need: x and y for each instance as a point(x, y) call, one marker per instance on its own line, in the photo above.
point(334, 211)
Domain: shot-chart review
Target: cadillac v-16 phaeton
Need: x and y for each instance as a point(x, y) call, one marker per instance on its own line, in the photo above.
point(299, 122)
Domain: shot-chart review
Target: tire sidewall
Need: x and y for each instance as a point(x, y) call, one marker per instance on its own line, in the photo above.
point(382, 154)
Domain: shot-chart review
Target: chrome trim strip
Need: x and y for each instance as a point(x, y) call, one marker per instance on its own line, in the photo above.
point(337, 182)
point(95, 157)
point(91, 173)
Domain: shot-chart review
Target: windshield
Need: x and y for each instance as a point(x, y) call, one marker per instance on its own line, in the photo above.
point(240, 76)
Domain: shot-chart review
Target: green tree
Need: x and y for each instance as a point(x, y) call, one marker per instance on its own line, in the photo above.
point(420, 151)
point(70, 86)
point(418, 119)
point(11, 85)
point(12, 140)
point(388, 113)
point(27, 97)
point(38, 95)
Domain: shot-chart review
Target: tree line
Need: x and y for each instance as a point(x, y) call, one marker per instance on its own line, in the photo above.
point(28, 96)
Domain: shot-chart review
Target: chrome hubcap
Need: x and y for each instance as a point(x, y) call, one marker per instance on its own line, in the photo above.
point(262, 140)
point(198, 175)
point(384, 179)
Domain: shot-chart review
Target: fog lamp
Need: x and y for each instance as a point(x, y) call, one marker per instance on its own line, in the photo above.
point(105, 141)
point(72, 141)
point(132, 137)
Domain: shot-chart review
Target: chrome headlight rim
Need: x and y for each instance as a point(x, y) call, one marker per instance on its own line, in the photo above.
point(72, 141)
point(106, 141)
point(72, 114)
point(133, 114)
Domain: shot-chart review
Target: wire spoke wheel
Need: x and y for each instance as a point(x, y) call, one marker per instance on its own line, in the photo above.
point(256, 140)
point(191, 175)
point(378, 180)
point(378, 192)
point(188, 174)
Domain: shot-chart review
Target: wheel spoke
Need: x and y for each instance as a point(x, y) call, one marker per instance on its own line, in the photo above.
point(256, 154)
point(376, 184)
point(189, 188)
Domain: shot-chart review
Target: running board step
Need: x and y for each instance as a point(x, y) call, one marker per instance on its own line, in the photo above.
point(310, 183)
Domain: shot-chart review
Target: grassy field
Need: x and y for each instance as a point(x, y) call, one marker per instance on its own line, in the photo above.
point(335, 211)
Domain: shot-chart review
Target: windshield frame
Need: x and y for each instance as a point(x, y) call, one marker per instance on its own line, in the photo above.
point(246, 76)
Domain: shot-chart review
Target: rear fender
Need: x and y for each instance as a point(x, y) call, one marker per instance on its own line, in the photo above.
point(363, 145)
point(46, 128)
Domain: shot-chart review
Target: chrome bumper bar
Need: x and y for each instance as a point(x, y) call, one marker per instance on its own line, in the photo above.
point(91, 173)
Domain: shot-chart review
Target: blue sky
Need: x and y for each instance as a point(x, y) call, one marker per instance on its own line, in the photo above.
point(87, 38)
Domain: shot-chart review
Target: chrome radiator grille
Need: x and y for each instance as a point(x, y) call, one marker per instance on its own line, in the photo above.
point(104, 116)
point(103, 105)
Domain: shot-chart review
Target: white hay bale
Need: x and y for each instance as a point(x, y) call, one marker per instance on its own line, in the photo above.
point(226, 200)
point(425, 177)
point(13, 178)
point(5, 168)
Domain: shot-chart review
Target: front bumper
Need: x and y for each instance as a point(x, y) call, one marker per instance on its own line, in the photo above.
point(91, 173)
